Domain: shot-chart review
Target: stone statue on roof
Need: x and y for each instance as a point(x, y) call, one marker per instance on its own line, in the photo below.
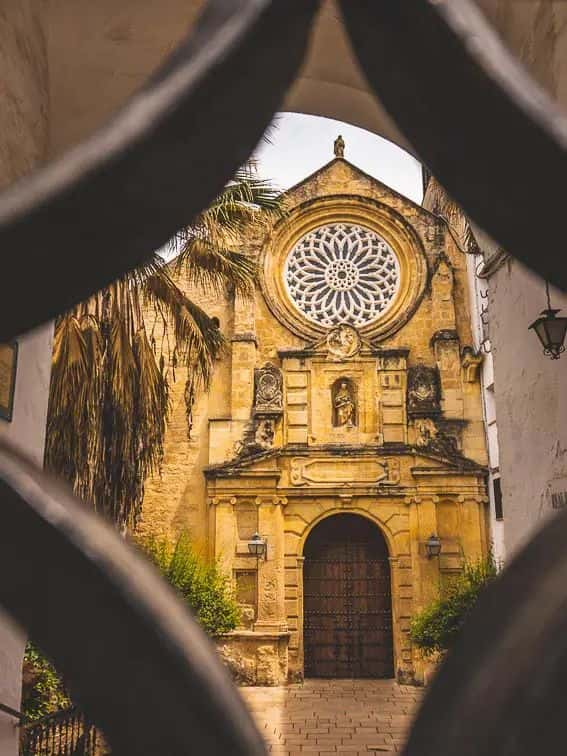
point(339, 147)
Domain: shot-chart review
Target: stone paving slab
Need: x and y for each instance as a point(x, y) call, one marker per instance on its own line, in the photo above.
point(324, 717)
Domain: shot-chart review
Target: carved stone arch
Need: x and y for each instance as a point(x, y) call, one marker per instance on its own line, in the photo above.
point(347, 599)
point(382, 527)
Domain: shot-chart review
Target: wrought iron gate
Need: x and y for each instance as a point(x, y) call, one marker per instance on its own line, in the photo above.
point(347, 601)
point(493, 139)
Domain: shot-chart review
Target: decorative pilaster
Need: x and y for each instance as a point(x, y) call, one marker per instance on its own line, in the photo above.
point(225, 532)
point(271, 571)
point(446, 348)
point(473, 526)
point(244, 348)
point(423, 523)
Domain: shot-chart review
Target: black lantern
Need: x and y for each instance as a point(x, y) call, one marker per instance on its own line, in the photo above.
point(433, 546)
point(257, 546)
point(550, 330)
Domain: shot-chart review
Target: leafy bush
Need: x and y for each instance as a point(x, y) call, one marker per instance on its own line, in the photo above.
point(43, 691)
point(201, 584)
point(436, 627)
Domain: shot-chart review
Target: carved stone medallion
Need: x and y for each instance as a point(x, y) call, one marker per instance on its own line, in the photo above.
point(343, 342)
point(268, 390)
point(423, 396)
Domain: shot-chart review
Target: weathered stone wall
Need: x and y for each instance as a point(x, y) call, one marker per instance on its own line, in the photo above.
point(255, 658)
point(176, 499)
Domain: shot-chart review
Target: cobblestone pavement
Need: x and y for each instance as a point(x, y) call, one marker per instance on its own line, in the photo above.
point(326, 718)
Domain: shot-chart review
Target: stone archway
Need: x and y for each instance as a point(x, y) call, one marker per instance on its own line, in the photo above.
point(347, 600)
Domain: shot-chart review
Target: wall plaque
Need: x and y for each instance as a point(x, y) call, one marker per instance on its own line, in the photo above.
point(8, 362)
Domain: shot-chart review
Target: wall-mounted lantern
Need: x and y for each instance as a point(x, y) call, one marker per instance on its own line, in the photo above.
point(433, 546)
point(258, 546)
point(550, 330)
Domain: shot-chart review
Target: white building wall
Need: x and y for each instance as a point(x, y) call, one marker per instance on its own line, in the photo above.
point(531, 403)
point(479, 319)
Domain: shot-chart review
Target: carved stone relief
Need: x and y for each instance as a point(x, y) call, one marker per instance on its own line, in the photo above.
point(423, 394)
point(268, 390)
point(429, 436)
point(265, 432)
point(330, 472)
point(343, 343)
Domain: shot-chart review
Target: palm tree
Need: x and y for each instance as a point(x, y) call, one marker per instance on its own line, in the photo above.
point(109, 392)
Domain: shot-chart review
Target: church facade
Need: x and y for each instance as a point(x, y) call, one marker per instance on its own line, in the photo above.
point(342, 442)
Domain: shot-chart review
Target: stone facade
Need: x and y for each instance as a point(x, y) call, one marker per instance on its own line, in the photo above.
point(305, 421)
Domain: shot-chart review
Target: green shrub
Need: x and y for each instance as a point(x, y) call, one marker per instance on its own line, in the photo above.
point(43, 691)
point(435, 628)
point(201, 584)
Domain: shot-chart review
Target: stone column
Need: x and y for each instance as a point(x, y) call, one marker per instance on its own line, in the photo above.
point(271, 571)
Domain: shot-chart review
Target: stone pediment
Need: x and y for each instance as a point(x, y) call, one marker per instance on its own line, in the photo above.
point(341, 176)
point(353, 467)
point(259, 464)
point(433, 463)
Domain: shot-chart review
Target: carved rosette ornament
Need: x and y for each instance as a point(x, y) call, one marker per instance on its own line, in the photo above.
point(343, 343)
point(268, 390)
point(423, 393)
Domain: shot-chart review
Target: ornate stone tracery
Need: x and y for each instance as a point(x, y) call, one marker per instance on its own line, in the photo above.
point(342, 273)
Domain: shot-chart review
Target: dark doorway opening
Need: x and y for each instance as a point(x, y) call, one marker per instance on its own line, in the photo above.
point(347, 600)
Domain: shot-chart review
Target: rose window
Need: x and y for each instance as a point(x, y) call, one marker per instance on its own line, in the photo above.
point(342, 274)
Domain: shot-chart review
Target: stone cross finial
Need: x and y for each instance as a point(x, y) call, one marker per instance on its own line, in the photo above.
point(339, 147)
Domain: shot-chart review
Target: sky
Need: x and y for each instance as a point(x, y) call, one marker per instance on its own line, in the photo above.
point(301, 144)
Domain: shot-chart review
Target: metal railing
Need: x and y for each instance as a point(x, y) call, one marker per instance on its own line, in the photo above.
point(64, 733)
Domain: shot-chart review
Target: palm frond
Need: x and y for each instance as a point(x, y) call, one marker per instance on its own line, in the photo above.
point(109, 394)
point(213, 268)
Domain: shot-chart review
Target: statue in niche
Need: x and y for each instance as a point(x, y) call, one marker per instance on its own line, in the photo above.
point(344, 404)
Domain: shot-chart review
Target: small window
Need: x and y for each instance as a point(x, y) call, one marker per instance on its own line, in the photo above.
point(497, 489)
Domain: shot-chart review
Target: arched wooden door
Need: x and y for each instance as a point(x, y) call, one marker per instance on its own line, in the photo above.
point(347, 600)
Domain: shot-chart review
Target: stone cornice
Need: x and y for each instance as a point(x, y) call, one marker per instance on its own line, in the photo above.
point(241, 465)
